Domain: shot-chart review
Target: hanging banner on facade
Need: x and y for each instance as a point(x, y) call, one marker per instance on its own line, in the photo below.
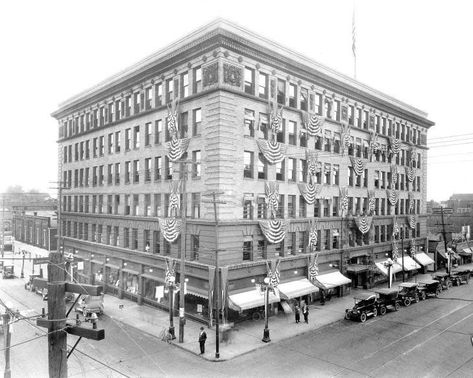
point(274, 230)
point(313, 235)
point(273, 152)
point(312, 123)
point(410, 173)
point(313, 270)
point(310, 192)
point(412, 221)
point(170, 227)
point(358, 165)
point(371, 201)
point(343, 200)
point(394, 145)
point(393, 196)
point(363, 222)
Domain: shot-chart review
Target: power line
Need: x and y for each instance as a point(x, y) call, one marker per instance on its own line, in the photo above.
point(451, 136)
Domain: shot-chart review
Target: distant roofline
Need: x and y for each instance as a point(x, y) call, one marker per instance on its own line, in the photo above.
point(224, 24)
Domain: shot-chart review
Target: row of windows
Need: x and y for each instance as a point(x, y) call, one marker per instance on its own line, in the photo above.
point(95, 147)
point(133, 172)
point(153, 96)
point(298, 97)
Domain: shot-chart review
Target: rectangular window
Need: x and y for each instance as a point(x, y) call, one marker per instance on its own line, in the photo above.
point(247, 206)
point(169, 90)
point(280, 167)
point(147, 169)
point(249, 123)
point(263, 126)
point(127, 139)
point(304, 99)
point(110, 174)
point(148, 134)
point(167, 168)
point(136, 137)
point(147, 208)
point(184, 124)
point(262, 167)
point(263, 85)
point(302, 207)
point(195, 199)
point(158, 89)
point(148, 98)
point(196, 164)
point(158, 168)
point(185, 84)
point(247, 250)
point(291, 130)
point(292, 95)
point(281, 92)
point(197, 79)
point(248, 162)
point(249, 81)
point(291, 206)
point(261, 207)
point(136, 171)
point(136, 204)
point(134, 238)
point(158, 131)
point(127, 172)
point(196, 122)
point(291, 169)
point(302, 171)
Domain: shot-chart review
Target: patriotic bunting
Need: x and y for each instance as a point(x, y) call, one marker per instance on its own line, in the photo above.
point(170, 273)
point(176, 148)
point(310, 192)
point(174, 199)
point(358, 165)
point(271, 190)
point(312, 123)
point(274, 230)
point(313, 238)
point(412, 155)
point(343, 200)
point(393, 196)
point(394, 145)
point(363, 222)
point(313, 165)
point(395, 252)
point(274, 152)
point(412, 220)
point(275, 117)
point(394, 174)
point(396, 228)
point(412, 249)
point(410, 173)
point(346, 138)
point(374, 144)
point(371, 201)
point(313, 267)
point(170, 227)
point(273, 274)
point(411, 202)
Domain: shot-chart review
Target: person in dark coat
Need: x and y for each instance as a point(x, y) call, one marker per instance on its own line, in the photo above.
point(297, 313)
point(305, 312)
point(202, 339)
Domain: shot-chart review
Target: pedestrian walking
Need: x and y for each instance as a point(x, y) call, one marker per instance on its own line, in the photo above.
point(297, 312)
point(202, 339)
point(322, 296)
point(305, 312)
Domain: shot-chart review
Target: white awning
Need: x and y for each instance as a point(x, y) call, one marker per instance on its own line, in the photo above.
point(467, 250)
point(298, 288)
point(395, 268)
point(329, 280)
point(250, 299)
point(409, 263)
point(423, 259)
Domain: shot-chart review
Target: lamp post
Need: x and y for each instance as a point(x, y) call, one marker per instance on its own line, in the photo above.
point(266, 285)
point(171, 286)
point(22, 275)
point(388, 264)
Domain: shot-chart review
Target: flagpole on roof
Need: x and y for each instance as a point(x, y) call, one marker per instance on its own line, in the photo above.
point(353, 46)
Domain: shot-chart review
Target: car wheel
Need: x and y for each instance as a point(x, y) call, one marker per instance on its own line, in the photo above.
point(363, 317)
point(407, 302)
point(423, 296)
point(382, 310)
point(437, 292)
point(416, 298)
point(375, 312)
point(347, 315)
point(397, 306)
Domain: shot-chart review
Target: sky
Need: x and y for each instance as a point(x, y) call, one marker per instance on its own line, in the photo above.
point(419, 52)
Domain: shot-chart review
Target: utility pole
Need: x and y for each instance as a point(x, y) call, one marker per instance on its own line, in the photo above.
point(402, 254)
point(217, 272)
point(6, 332)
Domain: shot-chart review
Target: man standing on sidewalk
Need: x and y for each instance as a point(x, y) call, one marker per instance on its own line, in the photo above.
point(202, 339)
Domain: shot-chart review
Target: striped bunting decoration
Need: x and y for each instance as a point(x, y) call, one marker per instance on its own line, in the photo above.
point(313, 267)
point(273, 274)
point(410, 173)
point(394, 174)
point(271, 190)
point(396, 229)
point(374, 143)
point(176, 148)
point(393, 196)
point(275, 117)
point(313, 238)
point(343, 200)
point(313, 124)
point(274, 152)
point(394, 145)
point(411, 202)
point(371, 201)
point(363, 222)
point(170, 271)
point(174, 199)
point(172, 124)
point(395, 251)
point(411, 221)
point(170, 227)
point(313, 164)
point(274, 230)
point(358, 165)
point(412, 248)
point(412, 155)
point(310, 192)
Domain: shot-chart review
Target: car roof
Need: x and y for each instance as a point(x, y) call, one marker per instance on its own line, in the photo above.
point(408, 284)
point(428, 282)
point(386, 291)
point(363, 296)
point(440, 274)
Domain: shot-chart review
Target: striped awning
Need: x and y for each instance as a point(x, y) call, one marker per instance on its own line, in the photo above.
point(395, 268)
point(409, 263)
point(331, 279)
point(423, 259)
point(297, 288)
point(250, 299)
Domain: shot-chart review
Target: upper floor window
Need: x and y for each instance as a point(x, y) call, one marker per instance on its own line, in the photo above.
point(249, 123)
point(169, 90)
point(249, 80)
point(281, 92)
point(185, 84)
point(197, 121)
point(148, 134)
point(158, 131)
point(127, 139)
point(291, 130)
point(197, 79)
point(136, 137)
point(148, 97)
point(292, 95)
point(304, 99)
point(158, 89)
point(263, 85)
point(248, 161)
point(196, 166)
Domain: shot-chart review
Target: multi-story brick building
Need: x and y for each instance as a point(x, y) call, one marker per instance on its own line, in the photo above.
point(303, 158)
point(35, 232)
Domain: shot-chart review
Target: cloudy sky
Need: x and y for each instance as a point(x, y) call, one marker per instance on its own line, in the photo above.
point(417, 51)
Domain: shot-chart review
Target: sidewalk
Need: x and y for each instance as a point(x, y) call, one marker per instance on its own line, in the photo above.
point(246, 336)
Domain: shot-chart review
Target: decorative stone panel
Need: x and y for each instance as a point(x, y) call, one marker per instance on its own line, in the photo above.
point(232, 74)
point(210, 74)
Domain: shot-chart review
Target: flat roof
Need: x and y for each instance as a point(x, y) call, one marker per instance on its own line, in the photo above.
point(220, 25)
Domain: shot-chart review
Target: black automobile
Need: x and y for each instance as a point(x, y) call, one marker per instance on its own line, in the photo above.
point(366, 304)
point(408, 293)
point(444, 279)
point(429, 288)
point(460, 276)
point(388, 298)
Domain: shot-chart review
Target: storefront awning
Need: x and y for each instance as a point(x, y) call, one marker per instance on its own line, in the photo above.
point(331, 279)
point(297, 288)
point(466, 252)
point(250, 299)
point(131, 271)
point(409, 263)
point(356, 268)
point(395, 268)
point(198, 292)
point(154, 278)
point(423, 259)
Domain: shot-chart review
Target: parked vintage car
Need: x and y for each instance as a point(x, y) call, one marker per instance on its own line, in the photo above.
point(388, 298)
point(30, 285)
point(460, 276)
point(408, 293)
point(443, 278)
point(90, 304)
point(429, 287)
point(8, 271)
point(366, 304)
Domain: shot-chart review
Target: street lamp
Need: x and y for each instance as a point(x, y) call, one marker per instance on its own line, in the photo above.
point(171, 286)
point(388, 264)
point(266, 285)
